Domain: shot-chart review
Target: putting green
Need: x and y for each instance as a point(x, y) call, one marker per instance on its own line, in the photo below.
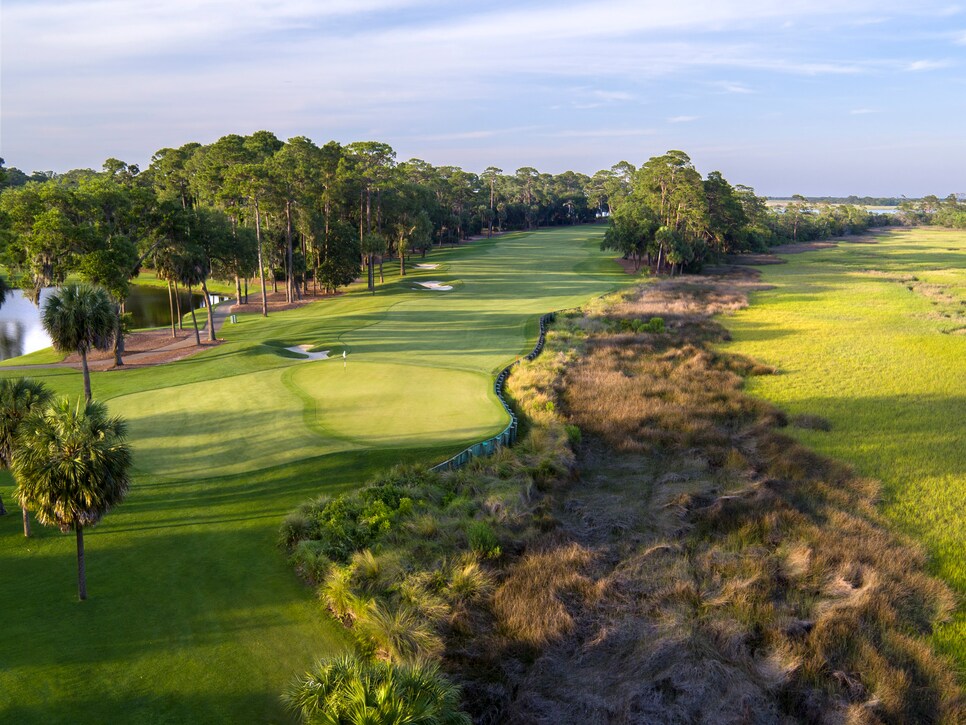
point(378, 405)
point(244, 422)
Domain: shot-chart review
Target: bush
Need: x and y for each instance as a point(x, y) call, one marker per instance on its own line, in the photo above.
point(336, 691)
point(310, 560)
point(573, 435)
point(483, 540)
point(398, 633)
point(296, 527)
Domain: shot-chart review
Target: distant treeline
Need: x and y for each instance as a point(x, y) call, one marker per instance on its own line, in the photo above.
point(669, 218)
point(853, 199)
point(255, 206)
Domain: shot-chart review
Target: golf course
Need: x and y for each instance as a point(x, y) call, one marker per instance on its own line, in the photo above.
point(194, 613)
point(869, 335)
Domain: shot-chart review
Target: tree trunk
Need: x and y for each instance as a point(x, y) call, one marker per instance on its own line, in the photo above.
point(246, 290)
point(194, 319)
point(289, 270)
point(26, 523)
point(305, 265)
point(177, 302)
point(174, 332)
point(87, 374)
point(382, 278)
point(211, 312)
point(402, 264)
point(119, 337)
point(81, 570)
point(371, 278)
point(261, 266)
point(238, 297)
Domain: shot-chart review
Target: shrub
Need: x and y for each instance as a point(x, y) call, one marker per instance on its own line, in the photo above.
point(336, 691)
point(337, 595)
point(483, 540)
point(296, 527)
point(310, 560)
point(573, 435)
point(467, 580)
point(398, 633)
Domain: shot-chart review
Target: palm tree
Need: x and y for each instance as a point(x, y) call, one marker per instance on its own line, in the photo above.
point(19, 397)
point(352, 691)
point(79, 317)
point(71, 465)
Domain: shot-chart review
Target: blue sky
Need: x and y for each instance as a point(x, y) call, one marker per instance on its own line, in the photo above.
point(816, 97)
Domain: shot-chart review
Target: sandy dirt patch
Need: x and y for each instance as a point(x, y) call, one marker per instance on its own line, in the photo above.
point(304, 350)
point(436, 286)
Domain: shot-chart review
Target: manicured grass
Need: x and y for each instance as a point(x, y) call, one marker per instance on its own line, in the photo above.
point(194, 615)
point(863, 337)
point(149, 278)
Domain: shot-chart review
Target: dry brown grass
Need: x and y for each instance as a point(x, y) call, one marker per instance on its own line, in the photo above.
point(531, 604)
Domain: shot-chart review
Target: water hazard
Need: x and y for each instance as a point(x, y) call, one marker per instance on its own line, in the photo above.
point(21, 331)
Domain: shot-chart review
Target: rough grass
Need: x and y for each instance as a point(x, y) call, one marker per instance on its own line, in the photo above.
point(869, 337)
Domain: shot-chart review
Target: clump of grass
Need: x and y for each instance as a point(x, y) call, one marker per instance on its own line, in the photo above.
point(310, 561)
point(811, 422)
point(483, 540)
point(398, 633)
point(531, 603)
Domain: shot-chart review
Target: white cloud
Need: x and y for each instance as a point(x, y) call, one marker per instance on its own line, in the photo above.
point(682, 119)
point(613, 96)
point(605, 133)
point(924, 65)
point(732, 87)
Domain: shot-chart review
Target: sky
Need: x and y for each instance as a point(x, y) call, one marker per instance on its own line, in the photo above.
point(817, 97)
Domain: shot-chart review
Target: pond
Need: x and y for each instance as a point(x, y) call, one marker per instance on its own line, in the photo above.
point(21, 331)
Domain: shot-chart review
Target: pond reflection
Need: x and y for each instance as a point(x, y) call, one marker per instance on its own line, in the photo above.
point(22, 333)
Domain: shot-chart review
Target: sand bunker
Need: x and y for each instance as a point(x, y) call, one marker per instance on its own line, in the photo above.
point(304, 350)
point(438, 286)
point(426, 266)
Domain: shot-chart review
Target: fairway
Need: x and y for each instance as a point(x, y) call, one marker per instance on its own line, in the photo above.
point(194, 614)
point(870, 336)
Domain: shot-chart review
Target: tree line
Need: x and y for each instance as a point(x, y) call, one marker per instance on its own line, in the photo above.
point(250, 206)
point(665, 215)
point(307, 217)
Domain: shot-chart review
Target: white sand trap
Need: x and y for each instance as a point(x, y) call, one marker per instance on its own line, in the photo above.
point(438, 286)
point(427, 266)
point(304, 350)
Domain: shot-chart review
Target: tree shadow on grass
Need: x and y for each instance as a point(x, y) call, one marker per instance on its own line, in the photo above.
point(68, 706)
